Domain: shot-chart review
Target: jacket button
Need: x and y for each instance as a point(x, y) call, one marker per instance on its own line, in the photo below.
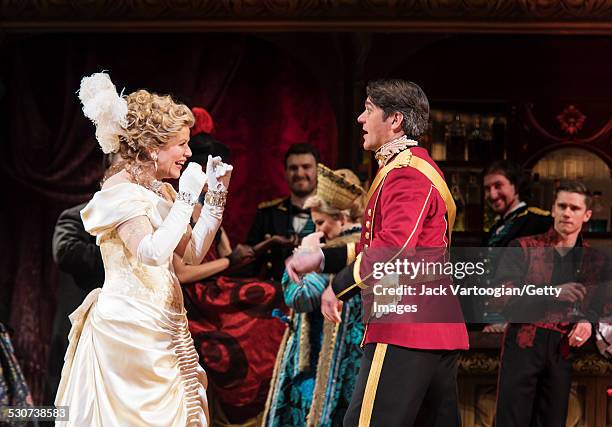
point(367, 235)
point(368, 223)
point(369, 212)
point(269, 264)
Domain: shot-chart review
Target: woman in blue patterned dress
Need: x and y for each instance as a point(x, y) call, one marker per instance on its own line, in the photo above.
point(318, 360)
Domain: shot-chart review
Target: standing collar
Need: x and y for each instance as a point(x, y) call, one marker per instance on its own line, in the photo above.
point(393, 147)
point(515, 210)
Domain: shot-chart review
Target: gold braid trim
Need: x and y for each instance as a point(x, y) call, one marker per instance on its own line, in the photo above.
point(275, 372)
point(330, 332)
point(349, 241)
point(344, 240)
point(304, 356)
point(367, 404)
point(350, 253)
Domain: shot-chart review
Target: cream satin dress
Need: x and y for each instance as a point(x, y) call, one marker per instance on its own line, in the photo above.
point(131, 360)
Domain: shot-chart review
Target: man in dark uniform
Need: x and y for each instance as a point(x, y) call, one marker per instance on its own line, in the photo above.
point(82, 270)
point(285, 219)
point(505, 184)
point(406, 366)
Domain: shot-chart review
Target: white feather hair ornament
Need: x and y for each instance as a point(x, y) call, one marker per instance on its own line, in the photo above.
point(106, 108)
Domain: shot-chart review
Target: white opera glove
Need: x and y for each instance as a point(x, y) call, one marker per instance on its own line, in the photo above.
point(218, 174)
point(157, 247)
point(192, 181)
point(203, 234)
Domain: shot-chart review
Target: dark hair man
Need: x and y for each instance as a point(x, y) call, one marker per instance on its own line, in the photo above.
point(406, 366)
point(505, 187)
point(286, 217)
point(535, 372)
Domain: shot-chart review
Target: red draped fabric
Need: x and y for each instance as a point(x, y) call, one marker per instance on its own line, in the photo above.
point(262, 100)
point(237, 339)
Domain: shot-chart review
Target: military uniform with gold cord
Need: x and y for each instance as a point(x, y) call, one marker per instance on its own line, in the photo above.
point(278, 217)
point(408, 373)
point(409, 206)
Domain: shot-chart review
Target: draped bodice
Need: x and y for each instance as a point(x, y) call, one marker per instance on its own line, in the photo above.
point(124, 274)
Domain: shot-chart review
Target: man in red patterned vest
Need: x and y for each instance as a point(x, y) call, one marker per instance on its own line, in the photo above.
point(406, 366)
point(535, 371)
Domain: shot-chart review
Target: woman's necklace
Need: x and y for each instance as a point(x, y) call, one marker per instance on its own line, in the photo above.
point(155, 184)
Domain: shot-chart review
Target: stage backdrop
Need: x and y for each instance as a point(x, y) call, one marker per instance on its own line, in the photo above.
point(261, 98)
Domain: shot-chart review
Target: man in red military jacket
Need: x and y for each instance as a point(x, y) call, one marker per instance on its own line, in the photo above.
point(406, 366)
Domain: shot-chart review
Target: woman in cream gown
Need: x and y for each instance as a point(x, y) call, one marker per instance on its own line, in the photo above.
point(131, 359)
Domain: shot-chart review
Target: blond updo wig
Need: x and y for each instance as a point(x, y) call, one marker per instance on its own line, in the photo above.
point(352, 214)
point(151, 121)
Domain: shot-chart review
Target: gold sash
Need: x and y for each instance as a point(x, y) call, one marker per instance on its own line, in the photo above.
point(406, 158)
point(402, 160)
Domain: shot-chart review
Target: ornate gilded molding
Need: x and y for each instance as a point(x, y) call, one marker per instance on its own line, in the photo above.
point(586, 16)
point(592, 364)
point(478, 363)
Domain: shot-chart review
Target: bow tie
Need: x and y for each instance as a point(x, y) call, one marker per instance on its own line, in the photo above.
point(297, 210)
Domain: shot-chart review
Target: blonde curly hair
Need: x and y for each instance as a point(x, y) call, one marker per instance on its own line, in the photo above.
point(151, 121)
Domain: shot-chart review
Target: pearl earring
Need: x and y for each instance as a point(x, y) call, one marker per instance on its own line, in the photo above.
point(154, 158)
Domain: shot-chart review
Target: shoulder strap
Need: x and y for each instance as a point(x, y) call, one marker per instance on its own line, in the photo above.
point(407, 159)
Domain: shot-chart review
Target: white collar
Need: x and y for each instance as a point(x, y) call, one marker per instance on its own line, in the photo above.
point(391, 148)
point(507, 214)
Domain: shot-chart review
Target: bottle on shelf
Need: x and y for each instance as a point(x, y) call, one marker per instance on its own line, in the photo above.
point(459, 203)
point(425, 140)
point(438, 125)
point(455, 140)
point(476, 144)
point(599, 219)
point(498, 131)
point(473, 204)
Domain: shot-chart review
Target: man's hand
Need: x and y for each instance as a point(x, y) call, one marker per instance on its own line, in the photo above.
point(241, 255)
point(580, 334)
point(313, 240)
point(572, 292)
point(305, 261)
point(331, 307)
point(495, 328)
point(285, 242)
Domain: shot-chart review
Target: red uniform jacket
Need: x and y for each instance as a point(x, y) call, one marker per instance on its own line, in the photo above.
point(406, 210)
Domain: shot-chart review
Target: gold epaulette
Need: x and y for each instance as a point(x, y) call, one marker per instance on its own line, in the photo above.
point(269, 203)
point(538, 211)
